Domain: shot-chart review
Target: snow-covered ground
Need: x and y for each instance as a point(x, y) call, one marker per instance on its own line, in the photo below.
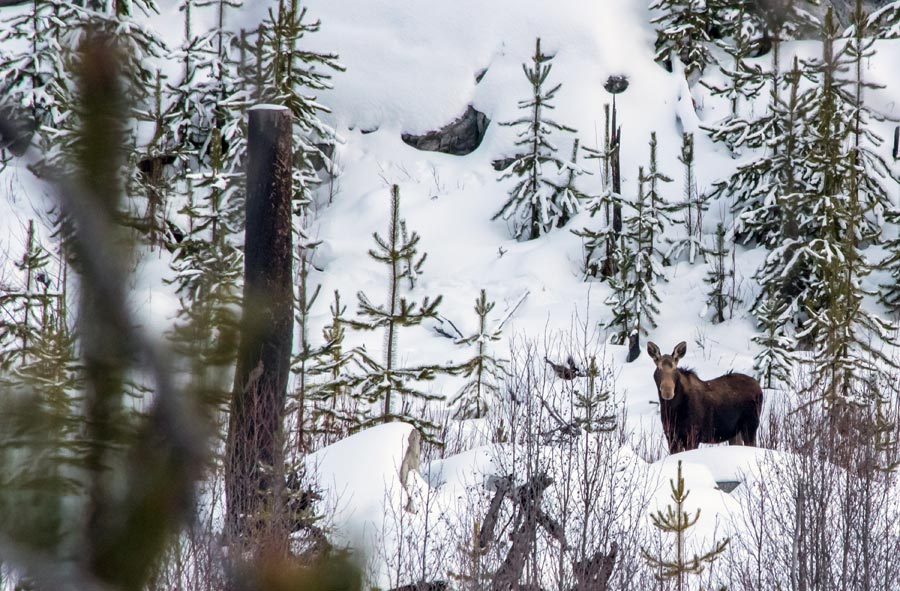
point(411, 68)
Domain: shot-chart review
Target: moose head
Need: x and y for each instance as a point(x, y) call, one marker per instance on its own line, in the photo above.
point(666, 372)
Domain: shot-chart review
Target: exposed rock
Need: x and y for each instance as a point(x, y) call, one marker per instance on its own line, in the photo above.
point(502, 163)
point(460, 137)
point(319, 157)
point(727, 485)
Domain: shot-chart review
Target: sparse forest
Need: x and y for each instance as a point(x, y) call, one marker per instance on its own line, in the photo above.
point(365, 295)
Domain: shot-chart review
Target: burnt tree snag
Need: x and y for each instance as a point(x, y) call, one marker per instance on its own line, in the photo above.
point(254, 450)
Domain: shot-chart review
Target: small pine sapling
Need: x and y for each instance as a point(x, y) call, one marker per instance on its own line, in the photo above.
point(594, 412)
point(744, 80)
point(772, 365)
point(657, 209)
point(600, 243)
point(384, 380)
point(567, 196)
point(286, 74)
point(634, 297)
point(721, 295)
point(621, 296)
point(675, 520)
point(306, 354)
point(532, 200)
point(483, 370)
point(693, 207)
point(336, 409)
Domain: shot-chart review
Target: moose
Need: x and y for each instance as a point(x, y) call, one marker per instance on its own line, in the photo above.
point(694, 411)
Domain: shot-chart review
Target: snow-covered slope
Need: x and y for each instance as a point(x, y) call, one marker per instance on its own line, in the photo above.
point(414, 66)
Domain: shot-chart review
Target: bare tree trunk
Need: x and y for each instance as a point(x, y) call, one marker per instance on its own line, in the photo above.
point(263, 364)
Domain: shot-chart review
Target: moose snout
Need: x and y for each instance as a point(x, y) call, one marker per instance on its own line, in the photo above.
point(667, 390)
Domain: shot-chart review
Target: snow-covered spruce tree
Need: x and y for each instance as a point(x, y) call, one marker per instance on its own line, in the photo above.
point(306, 354)
point(634, 299)
point(567, 196)
point(847, 340)
point(483, 371)
point(885, 21)
point(138, 48)
point(208, 267)
point(21, 320)
point(692, 207)
point(386, 380)
point(533, 199)
point(286, 74)
point(720, 296)
point(335, 408)
point(33, 66)
point(675, 520)
point(657, 208)
point(205, 108)
point(758, 187)
point(599, 243)
point(682, 32)
point(752, 184)
point(594, 406)
point(621, 297)
point(772, 365)
point(40, 379)
point(743, 80)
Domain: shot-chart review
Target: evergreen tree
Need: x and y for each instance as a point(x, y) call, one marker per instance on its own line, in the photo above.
point(386, 380)
point(675, 520)
point(535, 202)
point(306, 355)
point(886, 21)
point(743, 80)
point(599, 243)
point(772, 365)
point(483, 371)
point(567, 196)
point(33, 66)
point(682, 31)
point(755, 184)
point(692, 207)
point(208, 267)
point(205, 109)
point(846, 339)
point(287, 75)
point(657, 208)
point(336, 409)
point(634, 298)
point(40, 379)
point(721, 295)
point(594, 412)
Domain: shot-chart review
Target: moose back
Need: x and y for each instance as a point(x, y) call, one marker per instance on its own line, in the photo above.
point(695, 411)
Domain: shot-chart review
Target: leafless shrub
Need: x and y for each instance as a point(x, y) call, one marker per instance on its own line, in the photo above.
point(822, 512)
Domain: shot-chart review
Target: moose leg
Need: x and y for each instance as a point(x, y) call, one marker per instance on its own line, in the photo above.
point(738, 439)
point(748, 432)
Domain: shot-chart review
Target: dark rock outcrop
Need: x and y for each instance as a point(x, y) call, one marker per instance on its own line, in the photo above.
point(460, 137)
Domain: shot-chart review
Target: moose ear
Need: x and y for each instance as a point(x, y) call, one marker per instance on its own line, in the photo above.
point(653, 351)
point(680, 350)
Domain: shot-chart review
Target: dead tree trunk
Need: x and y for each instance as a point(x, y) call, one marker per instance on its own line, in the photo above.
point(253, 477)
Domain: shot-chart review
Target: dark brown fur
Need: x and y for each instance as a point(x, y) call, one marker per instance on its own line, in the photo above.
point(694, 411)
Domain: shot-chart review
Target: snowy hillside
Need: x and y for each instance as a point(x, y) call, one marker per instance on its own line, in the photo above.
point(414, 67)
